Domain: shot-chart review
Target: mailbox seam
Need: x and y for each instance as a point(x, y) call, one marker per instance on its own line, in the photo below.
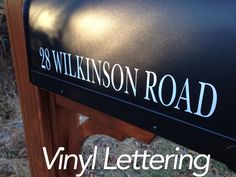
point(142, 107)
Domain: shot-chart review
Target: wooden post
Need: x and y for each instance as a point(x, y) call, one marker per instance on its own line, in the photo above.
point(34, 102)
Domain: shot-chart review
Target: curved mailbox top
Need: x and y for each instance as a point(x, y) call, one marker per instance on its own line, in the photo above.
point(166, 66)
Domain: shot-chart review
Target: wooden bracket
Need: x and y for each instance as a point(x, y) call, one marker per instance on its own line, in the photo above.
point(99, 123)
point(89, 128)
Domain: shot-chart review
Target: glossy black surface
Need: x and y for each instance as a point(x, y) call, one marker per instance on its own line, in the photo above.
point(194, 40)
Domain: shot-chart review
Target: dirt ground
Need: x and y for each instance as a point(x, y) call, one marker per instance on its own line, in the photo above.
point(13, 156)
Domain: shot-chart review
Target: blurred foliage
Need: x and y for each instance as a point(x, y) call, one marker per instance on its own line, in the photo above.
point(4, 42)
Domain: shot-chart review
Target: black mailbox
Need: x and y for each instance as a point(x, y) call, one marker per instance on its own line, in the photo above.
point(166, 66)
